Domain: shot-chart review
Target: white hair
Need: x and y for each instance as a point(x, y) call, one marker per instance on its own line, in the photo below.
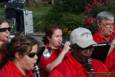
point(105, 15)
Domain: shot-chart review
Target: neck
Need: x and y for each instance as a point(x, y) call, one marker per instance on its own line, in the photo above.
point(80, 58)
point(52, 46)
point(106, 37)
point(1, 43)
point(20, 67)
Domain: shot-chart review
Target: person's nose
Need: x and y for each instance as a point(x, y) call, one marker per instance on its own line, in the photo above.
point(36, 57)
point(7, 31)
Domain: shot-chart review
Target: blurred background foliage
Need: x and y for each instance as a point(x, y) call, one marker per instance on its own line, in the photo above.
point(67, 13)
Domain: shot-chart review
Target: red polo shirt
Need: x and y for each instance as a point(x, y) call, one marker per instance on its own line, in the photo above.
point(99, 38)
point(10, 70)
point(69, 67)
point(44, 61)
point(72, 68)
point(110, 60)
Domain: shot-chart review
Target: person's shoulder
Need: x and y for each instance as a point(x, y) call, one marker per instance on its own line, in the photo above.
point(99, 66)
point(5, 71)
point(98, 37)
point(96, 34)
point(95, 61)
point(10, 70)
point(9, 67)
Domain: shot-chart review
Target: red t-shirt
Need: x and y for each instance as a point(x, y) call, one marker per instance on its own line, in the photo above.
point(44, 61)
point(10, 70)
point(99, 38)
point(72, 68)
point(69, 67)
point(110, 60)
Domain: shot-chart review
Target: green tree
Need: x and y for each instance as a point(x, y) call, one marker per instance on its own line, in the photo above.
point(67, 13)
point(74, 6)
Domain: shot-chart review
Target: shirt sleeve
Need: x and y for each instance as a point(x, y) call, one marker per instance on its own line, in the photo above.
point(46, 60)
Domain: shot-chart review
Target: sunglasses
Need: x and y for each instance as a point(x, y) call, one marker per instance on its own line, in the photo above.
point(5, 29)
point(31, 55)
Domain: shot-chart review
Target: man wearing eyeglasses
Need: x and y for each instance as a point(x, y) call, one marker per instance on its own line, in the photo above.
point(106, 33)
point(105, 27)
point(4, 37)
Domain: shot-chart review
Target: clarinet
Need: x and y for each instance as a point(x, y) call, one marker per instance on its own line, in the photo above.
point(37, 71)
point(91, 67)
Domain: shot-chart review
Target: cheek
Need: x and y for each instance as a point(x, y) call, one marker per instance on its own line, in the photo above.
point(108, 30)
point(27, 63)
point(3, 37)
point(54, 40)
point(87, 53)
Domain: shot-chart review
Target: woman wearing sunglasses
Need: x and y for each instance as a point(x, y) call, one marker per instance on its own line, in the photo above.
point(21, 58)
point(4, 36)
point(4, 31)
point(52, 54)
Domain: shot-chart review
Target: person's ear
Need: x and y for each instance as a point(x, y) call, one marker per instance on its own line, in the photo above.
point(49, 38)
point(98, 23)
point(17, 55)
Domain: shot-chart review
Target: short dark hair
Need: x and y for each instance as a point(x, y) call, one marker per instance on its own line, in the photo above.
point(3, 20)
point(21, 43)
point(49, 32)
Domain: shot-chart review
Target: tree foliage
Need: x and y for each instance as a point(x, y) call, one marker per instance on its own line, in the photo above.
point(66, 13)
point(74, 6)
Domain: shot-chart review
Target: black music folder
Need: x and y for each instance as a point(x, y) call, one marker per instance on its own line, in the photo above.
point(100, 52)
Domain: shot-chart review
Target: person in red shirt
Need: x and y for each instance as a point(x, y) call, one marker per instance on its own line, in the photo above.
point(21, 58)
point(106, 33)
point(4, 37)
point(105, 27)
point(79, 63)
point(52, 52)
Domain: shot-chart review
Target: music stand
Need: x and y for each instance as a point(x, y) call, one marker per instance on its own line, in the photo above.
point(100, 52)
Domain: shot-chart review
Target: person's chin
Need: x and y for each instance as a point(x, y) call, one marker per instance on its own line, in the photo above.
point(87, 57)
point(31, 68)
point(58, 45)
point(5, 40)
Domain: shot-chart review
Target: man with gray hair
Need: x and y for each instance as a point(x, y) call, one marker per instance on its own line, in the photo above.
point(105, 15)
point(105, 25)
point(106, 33)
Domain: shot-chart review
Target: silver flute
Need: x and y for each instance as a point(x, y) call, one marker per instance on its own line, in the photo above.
point(37, 71)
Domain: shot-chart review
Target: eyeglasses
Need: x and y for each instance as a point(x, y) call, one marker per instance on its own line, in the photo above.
point(31, 55)
point(5, 29)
